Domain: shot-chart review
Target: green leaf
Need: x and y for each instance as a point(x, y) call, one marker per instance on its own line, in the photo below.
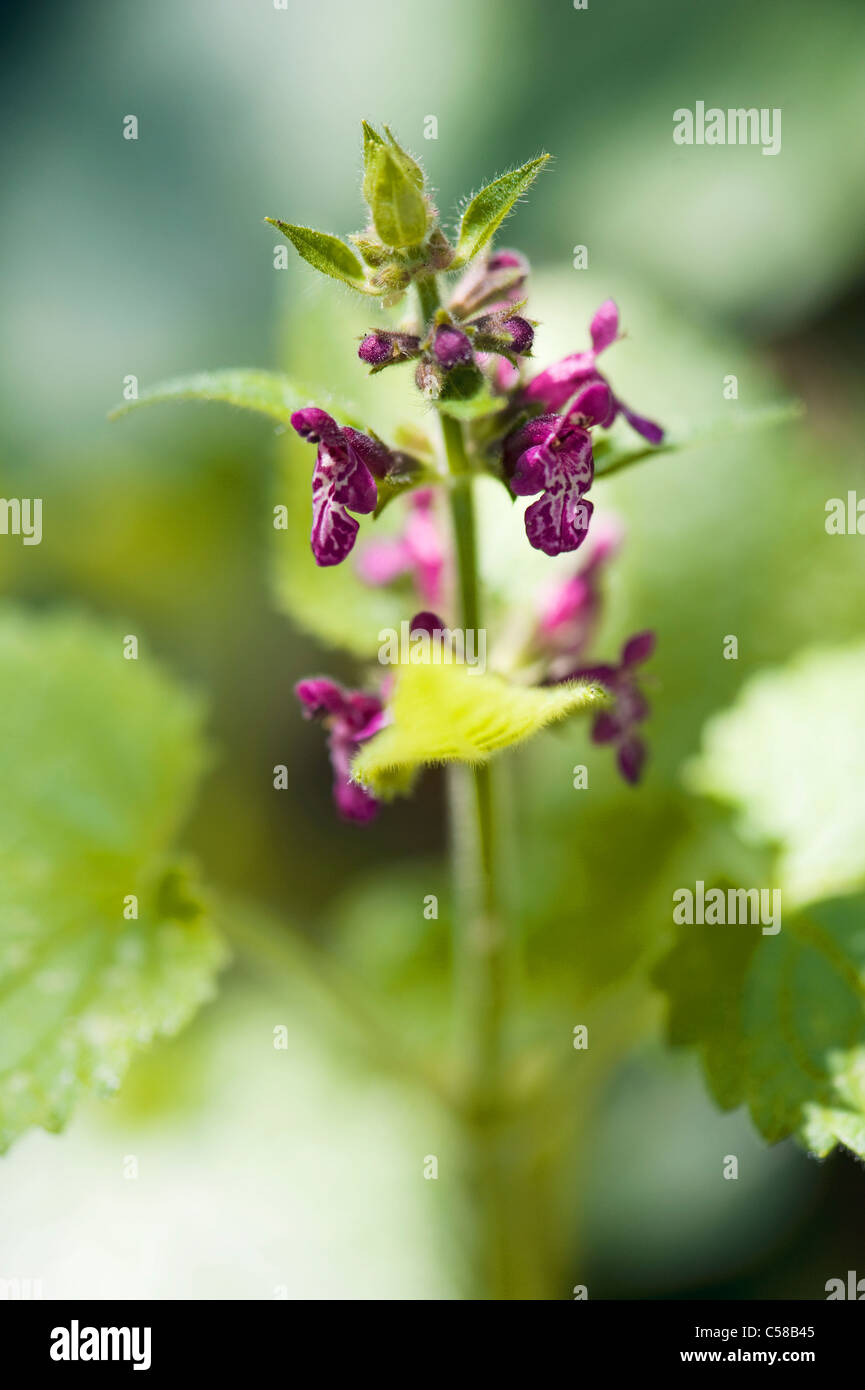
point(611, 457)
point(489, 208)
point(393, 188)
point(100, 759)
point(466, 394)
point(265, 393)
point(790, 758)
point(779, 1020)
point(455, 713)
point(325, 253)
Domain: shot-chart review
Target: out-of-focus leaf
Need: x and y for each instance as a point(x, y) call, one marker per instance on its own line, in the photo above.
point(250, 388)
point(779, 1020)
point(790, 757)
point(611, 457)
point(489, 208)
point(445, 712)
point(99, 760)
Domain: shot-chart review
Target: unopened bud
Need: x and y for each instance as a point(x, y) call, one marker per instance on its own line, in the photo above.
point(393, 188)
point(381, 348)
point(521, 334)
point(450, 346)
point(500, 280)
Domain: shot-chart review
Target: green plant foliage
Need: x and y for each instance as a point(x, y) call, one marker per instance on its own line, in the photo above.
point(790, 757)
point(455, 713)
point(488, 209)
point(611, 456)
point(325, 253)
point(265, 393)
point(100, 760)
point(779, 1020)
point(393, 189)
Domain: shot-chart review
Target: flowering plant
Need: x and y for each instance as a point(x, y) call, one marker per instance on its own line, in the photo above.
point(404, 516)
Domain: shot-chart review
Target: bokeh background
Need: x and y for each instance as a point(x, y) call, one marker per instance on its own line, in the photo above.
point(299, 1172)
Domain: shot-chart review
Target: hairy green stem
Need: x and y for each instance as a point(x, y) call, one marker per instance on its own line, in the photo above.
point(481, 942)
point(480, 935)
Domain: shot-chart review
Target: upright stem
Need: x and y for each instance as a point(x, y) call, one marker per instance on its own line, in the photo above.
point(480, 926)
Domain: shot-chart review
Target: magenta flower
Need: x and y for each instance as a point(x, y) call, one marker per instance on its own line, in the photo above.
point(552, 454)
point(618, 725)
point(553, 388)
point(570, 611)
point(493, 283)
point(450, 346)
point(417, 551)
point(383, 348)
point(521, 334)
point(343, 478)
point(351, 717)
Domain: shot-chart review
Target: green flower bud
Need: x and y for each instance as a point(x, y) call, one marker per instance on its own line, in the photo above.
point(393, 189)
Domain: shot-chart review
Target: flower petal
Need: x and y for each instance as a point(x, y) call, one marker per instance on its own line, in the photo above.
point(631, 757)
point(353, 802)
point(638, 648)
point(558, 383)
point(604, 327)
point(381, 562)
point(594, 404)
point(558, 522)
point(315, 425)
point(647, 428)
point(320, 697)
point(333, 531)
point(372, 453)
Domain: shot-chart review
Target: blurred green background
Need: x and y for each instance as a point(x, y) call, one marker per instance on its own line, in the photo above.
point(299, 1172)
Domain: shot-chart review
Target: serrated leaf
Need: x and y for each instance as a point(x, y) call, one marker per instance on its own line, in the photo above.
point(249, 388)
point(326, 254)
point(489, 208)
point(444, 712)
point(790, 757)
point(100, 758)
point(779, 1020)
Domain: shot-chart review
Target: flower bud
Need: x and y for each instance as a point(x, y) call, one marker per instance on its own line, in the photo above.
point(370, 248)
point(382, 348)
point(521, 334)
point(439, 251)
point(498, 281)
point(393, 188)
point(450, 346)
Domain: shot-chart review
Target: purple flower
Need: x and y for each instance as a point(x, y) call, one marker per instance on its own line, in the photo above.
point(496, 282)
point(450, 346)
point(342, 478)
point(417, 550)
point(552, 454)
point(382, 348)
point(618, 725)
point(554, 387)
point(521, 334)
point(427, 622)
point(570, 611)
point(351, 717)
